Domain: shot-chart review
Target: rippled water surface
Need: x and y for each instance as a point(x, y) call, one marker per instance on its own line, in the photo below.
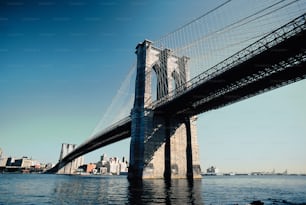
point(61, 189)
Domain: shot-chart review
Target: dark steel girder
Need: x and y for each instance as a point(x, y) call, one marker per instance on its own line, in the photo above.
point(275, 80)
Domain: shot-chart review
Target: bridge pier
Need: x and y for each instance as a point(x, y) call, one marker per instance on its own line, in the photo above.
point(163, 145)
point(189, 149)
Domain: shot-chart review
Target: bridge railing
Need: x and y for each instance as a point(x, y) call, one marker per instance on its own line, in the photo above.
point(277, 36)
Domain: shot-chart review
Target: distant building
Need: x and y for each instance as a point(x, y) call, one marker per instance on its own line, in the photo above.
point(3, 161)
point(24, 162)
point(114, 167)
point(111, 165)
point(90, 168)
point(103, 165)
point(123, 166)
point(103, 158)
point(102, 170)
point(10, 161)
point(212, 171)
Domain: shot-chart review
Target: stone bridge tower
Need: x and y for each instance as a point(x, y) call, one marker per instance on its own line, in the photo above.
point(162, 146)
point(71, 167)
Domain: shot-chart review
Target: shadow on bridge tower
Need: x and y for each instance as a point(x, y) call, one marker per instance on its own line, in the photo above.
point(162, 145)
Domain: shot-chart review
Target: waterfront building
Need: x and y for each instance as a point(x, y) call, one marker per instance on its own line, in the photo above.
point(102, 170)
point(103, 158)
point(24, 162)
point(123, 166)
point(111, 165)
point(90, 168)
point(10, 161)
point(114, 167)
point(212, 171)
point(3, 161)
point(106, 166)
point(102, 166)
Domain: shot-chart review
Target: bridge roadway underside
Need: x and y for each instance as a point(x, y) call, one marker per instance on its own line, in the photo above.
point(206, 96)
point(114, 134)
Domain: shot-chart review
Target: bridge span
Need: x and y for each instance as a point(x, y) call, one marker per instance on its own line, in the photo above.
point(276, 60)
point(116, 132)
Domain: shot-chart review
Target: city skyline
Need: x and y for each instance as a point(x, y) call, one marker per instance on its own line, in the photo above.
point(62, 63)
point(105, 157)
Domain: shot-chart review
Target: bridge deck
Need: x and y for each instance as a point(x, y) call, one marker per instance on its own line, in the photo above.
point(115, 133)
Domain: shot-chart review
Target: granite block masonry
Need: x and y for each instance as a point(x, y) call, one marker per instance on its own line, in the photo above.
point(162, 145)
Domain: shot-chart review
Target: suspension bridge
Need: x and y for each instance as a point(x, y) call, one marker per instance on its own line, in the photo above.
point(197, 68)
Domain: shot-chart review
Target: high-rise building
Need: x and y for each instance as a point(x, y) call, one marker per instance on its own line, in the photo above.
point(103, 158)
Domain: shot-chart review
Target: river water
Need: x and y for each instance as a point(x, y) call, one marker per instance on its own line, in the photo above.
point(64, 189)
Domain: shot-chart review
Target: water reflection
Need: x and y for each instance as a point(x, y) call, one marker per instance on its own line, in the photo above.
point(90, 190)
point(63, 189)
point(118, 190)
point(179, 191)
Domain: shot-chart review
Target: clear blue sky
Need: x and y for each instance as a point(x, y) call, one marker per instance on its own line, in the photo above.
point(61, 63)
